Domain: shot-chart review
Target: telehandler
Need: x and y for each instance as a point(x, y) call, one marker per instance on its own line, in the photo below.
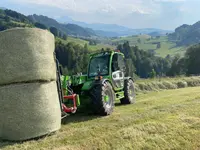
point(105, 82)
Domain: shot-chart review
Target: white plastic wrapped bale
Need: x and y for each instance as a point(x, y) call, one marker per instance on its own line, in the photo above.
point(26, 55)
point(29, 110)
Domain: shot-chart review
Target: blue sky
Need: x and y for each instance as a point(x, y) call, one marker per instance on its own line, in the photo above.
point(164, 14)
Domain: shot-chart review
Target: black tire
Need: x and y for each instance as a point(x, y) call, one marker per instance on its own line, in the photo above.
point(99, 104)
point(129, 92)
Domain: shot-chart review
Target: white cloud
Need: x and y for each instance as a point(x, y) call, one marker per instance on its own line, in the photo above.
point(63, 4)
point(109, 6)
point(133, 13)
point(169, 0)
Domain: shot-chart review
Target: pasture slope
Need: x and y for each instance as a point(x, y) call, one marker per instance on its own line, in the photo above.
point(146, 43)
point(83, 42)
point(149, 43)
point(168, 119)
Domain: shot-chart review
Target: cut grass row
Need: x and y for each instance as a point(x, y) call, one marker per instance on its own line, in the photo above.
point(166, 83)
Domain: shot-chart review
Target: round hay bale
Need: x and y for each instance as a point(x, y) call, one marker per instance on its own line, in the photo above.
point(29, 110)
point(26, 55)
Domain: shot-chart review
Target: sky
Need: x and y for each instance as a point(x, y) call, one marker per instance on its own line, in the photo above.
point(163, 14)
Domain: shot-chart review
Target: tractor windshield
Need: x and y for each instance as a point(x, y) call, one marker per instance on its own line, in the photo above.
point(99, 66)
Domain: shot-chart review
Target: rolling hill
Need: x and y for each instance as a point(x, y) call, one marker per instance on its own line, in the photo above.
point(172, 44)
point(113, 30)
point(69, 29)
point(186, 35)
point(10, 19)
point(3, 8)
point(82, 42)
point(160, 45)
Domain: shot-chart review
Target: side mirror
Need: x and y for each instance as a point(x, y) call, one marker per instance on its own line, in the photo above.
point(123, 69)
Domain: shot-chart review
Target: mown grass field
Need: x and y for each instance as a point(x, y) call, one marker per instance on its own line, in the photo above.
point(167, 119)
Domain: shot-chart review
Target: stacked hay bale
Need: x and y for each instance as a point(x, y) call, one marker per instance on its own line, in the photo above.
point(29, 104)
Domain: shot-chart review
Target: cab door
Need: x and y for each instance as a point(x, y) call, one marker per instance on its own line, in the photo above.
point(118, 74)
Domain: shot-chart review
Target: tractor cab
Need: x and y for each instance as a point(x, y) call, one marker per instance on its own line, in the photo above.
point(99, 65)
point(110, 65)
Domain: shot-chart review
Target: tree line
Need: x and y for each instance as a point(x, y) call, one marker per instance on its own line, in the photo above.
point(187, 65)
point(73, 57)
point(144, 64)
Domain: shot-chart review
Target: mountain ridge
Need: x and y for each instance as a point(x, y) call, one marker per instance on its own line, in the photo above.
point(186, 35)
point(112, 30)
point(11, 19)
point(70, 29)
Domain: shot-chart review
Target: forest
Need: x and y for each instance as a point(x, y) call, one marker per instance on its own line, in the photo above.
point(140, 63)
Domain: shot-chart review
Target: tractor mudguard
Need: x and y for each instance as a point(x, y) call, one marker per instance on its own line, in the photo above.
point(99, 82)
point(87, 86)
point(90, 84)
point(129, 78)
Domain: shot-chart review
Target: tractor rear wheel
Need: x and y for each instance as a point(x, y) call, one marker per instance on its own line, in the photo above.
point(102, 97)
point(129, 92)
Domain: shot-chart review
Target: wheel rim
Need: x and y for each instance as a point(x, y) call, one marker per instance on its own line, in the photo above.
point(107, 98)
point(131, 92)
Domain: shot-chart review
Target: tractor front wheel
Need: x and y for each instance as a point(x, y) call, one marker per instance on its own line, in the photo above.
point(129, 92)
point(102, 97)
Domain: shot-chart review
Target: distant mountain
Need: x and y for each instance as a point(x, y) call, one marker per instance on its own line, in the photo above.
point(3, 8)
point(10, 19)
point(113, 30)
point(186, 35)
point(104, 27)
point(159, 33)
point(74, 29)
point(70, 29)
point(107, 33)
point(129, 32)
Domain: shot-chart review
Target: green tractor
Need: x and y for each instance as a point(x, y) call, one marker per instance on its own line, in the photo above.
point(105, 82)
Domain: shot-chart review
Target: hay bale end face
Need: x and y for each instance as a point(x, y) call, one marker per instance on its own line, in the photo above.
point(26, 55)
point(29, 110)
